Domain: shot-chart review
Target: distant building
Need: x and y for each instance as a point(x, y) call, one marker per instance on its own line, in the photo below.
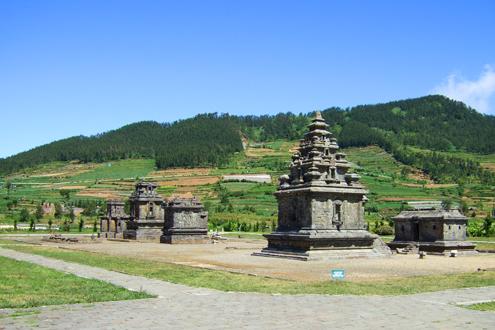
point(258, 178)
point(48, 208)
point(431, 228)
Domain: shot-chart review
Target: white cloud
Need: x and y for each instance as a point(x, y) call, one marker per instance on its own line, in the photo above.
point(476, 94)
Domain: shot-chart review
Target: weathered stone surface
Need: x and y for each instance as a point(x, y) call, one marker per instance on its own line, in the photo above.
point(432, 229)
point(147, 216)
point(320, 205)
point(186, 221)
point(114, 223)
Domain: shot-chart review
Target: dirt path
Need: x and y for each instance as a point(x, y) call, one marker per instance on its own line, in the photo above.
point(235, 255)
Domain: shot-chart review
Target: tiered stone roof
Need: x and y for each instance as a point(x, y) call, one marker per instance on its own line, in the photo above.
point(318, 161)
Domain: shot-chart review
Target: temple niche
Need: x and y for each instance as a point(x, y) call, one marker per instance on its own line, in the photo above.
point(320, 204)
point(147, 217)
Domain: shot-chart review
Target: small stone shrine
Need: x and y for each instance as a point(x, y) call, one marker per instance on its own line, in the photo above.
point(431, 228)
point(186, 222)
point(320, 205)
point(147, 216)
point(114, 223)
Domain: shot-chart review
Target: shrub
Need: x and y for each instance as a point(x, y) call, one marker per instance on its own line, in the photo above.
point(24, 215)
point(384, 229)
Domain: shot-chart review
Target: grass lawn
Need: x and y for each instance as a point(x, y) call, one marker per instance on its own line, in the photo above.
point(226, 281)
point(488, 306)
point(23, 284)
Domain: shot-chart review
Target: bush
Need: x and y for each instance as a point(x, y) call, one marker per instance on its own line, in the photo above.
point(65, 226)
point(384, 230)
point(474, 229)
point(24, 215)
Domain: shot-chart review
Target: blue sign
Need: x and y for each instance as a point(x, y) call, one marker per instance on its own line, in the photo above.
point(337, 274)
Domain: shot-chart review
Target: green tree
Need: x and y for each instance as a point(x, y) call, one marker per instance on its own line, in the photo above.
point(487, 226)
point(72, 215)
point(9, 186)
point(81, 224)
point(58, 210)
point(65, 193)
point(32, 225)
point(39, 212)
point(95, 228)
point(464, 207)
point(65, 226)
point(24, 215)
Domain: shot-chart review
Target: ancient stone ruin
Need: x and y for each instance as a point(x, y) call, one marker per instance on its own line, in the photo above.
point(147, 216)
point(186, 221)
point(179, 220)
point(431, 228)
point(114, 223)
point(320, 205)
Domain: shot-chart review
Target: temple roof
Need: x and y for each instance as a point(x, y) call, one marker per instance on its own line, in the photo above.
point(453, 214)
point(317, 161)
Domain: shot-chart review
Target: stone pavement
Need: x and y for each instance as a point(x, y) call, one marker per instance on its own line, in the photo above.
point(182, 307)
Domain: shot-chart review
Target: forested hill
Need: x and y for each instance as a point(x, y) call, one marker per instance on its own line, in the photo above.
point(431, 122)
point(202, 140)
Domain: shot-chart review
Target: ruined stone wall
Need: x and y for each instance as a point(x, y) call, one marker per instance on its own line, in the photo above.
point(430, 231)
point(454, 231)
point(405, 231)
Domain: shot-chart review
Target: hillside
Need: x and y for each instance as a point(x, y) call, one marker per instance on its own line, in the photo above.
point(202, 140)
point(427, 123)
point(231, 204)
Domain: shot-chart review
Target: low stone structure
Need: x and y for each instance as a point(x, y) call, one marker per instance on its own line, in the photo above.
point(433, 229)
point(114, 223)
point(186, 222)
point(320, 205)
point(147, 216)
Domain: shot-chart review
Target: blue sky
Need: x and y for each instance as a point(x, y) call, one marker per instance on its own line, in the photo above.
point(84, 67)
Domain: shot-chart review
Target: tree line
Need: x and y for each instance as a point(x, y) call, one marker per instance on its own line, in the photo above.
point(431, 122)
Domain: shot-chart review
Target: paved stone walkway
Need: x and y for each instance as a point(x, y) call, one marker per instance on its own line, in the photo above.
point(182, 307)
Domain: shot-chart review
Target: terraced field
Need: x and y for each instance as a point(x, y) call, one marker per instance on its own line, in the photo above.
point(389, 182)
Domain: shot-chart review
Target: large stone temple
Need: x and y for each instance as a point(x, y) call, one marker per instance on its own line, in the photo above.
point(147, 218)
point(320, 205)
